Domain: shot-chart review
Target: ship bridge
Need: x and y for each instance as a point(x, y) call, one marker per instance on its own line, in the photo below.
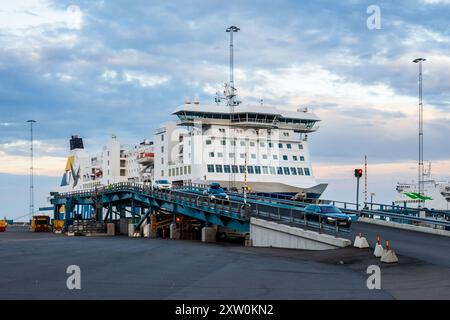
point(247, 116)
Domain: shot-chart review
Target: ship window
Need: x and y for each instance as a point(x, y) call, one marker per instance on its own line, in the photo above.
point(210, 168)
point(185, 170)
point(302, 158)
point(221, 130)
point(242, 143)
point(300, 146)
point(208, 141)
point(231, 155)
point(162, 149)
point(242, 155)
point(233, 143)
point(223, 142)
point(280, 145)
point(177, 171)
point(294, 158)
point(250, 169)
point(279, 170)
point(285, 157)
point(272, 170)
point(265, 170)
point(252, 144)
point(262, 144)
point(293, 171)
point(300, 171)
point(242, 169)
point(162, 173)
point(257, 169)
point(162, 137)
point(253, 156)
point(189, 169)
point(226, 168)
point(234, 168)
point(211, 154)
point(286, 170)
point(288, 145)
point(219, 168)
point(219, 155)
point(264, 156)
point(307, 172)
point(275, 157)
point(270, 145)
point(170, 172)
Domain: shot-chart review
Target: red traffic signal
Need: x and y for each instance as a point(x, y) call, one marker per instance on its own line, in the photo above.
point(358, 173)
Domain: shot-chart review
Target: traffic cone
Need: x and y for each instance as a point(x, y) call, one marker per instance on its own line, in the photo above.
point(378, 252)
point(360, 242)
point(388, 255)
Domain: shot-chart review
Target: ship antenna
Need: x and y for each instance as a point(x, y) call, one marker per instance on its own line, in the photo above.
point(420, 169)
point(231, 94)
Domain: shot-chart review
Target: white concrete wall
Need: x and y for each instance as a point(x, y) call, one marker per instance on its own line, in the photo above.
point(404, 226)
point(271, 234)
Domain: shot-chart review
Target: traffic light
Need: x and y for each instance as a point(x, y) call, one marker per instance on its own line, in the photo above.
point(358, 173)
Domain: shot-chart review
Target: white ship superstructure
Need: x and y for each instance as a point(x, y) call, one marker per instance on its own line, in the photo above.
point(435, 195)
point(115, 163)
point(266, 147)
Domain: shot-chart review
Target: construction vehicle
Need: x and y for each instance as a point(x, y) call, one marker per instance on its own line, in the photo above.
point(3, 225)
point(40, 224)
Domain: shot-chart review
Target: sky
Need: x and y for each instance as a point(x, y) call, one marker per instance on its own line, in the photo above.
point(97, 68)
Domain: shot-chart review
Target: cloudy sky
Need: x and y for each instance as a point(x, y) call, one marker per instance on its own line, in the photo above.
point(95, 68)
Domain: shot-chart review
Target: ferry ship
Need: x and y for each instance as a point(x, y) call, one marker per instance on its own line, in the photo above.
point(435, 195)
point(115, 163)
point(262, 148)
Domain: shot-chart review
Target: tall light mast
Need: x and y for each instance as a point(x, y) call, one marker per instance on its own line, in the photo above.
point(230, 94)
point(420, 167)
point(31, 212)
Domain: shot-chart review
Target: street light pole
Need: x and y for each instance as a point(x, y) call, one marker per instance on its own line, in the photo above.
point(420, 167)
point(31, 209)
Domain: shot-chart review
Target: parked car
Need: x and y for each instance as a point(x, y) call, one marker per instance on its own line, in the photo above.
point(328, 214)
point(216, 192)
point(162, 185)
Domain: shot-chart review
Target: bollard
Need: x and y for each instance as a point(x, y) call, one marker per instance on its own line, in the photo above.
point(378, 251)
point(360, 242)
point(388, 255)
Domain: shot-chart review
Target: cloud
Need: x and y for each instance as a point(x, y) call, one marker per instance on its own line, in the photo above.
point(20, 165)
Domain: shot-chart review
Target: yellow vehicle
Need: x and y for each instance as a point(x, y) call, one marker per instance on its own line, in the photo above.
point(40, 224)
point(3, 225)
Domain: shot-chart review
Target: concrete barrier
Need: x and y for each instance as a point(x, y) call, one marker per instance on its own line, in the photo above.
point(265, 233)
point(360, 242)
point(388, 255)
point(404, 226)
point(209, 234)
point(174, 232)
point(111, 229)
point(378, 251)
point(132, 233)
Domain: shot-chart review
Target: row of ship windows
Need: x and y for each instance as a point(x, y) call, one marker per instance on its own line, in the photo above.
point(253, 156)
point(179, 171)
point(218, 168)
point(242, 143)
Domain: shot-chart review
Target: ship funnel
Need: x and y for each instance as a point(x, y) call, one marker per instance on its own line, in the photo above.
point(76, 143)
